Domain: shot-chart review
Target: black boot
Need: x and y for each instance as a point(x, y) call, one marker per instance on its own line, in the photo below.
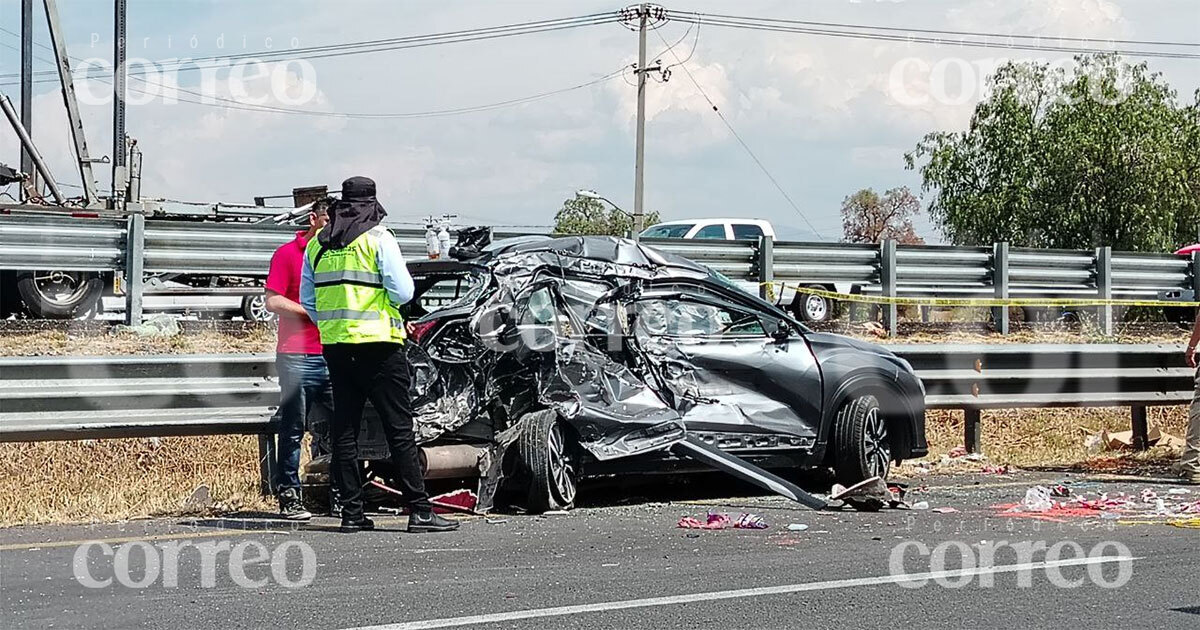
point(421, 522)
point(360, 524)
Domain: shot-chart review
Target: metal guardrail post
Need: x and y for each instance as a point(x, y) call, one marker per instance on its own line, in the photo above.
point(972, 438)
point(1140, 426)
point(766, 267)
point(887, 282)
point(266, 464)
point(1000, 284)
point(1104, 288)
point(135, 259)
point(1195, 275)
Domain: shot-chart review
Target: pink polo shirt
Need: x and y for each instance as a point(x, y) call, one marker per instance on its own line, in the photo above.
point(297, 334)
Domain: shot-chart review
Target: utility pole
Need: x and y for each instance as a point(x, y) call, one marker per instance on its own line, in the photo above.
point(27, 165)
point(120, 174)
point(639, 169)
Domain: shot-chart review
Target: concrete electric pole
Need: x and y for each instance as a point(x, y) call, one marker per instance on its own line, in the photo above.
point(639, 169)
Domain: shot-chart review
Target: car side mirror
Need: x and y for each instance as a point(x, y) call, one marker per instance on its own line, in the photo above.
point(781, 332)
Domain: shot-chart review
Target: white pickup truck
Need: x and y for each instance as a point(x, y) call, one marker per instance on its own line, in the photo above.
point(809, 308)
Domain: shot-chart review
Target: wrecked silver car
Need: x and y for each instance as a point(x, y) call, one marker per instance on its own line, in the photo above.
point(540, 361)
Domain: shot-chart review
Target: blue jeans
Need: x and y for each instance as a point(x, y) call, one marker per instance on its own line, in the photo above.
point(304, 390)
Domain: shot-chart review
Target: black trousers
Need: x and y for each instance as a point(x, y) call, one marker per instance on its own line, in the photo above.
point(379, 372)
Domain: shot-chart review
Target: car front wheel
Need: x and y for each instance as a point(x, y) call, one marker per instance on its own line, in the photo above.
point(861, 443)
point(550, 462)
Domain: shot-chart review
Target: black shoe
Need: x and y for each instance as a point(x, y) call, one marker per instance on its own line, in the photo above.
point(360, 524)
point(291, 507)
point(421, 522)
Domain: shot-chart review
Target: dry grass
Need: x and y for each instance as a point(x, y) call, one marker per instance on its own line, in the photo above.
point(99, 338)
point(106, 480)
point(1030, 438)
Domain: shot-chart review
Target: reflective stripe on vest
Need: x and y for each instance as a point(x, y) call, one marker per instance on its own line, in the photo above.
point(348, 276)
point(352, 304)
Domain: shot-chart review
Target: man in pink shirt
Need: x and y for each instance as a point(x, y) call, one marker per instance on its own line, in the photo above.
point(303, 377)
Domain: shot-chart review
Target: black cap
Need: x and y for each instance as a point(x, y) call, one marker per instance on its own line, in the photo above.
point(358, 187)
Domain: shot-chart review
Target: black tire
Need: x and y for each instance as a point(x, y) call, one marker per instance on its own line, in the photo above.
point(548, 460)
point(10, 303)
point(254, 309)
point(861, 444)
point(59, 294)
point(1181, 315)
point(814, 309)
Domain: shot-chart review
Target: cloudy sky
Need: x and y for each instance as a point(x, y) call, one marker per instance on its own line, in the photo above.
point(825, 116)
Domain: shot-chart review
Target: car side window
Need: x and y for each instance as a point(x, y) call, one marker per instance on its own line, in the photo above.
point(714, 231)
point(746, 232)
point(686, 318)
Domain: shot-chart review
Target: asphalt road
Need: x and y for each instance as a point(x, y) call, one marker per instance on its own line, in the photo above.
point(623, 564)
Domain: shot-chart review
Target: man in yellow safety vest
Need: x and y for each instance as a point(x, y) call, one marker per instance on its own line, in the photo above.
point(352, 285)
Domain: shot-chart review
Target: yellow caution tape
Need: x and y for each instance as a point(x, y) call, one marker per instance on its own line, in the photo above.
point(932, 301)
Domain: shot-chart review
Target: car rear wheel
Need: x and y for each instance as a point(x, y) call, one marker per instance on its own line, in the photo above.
point(861, 444)
point(548, 456)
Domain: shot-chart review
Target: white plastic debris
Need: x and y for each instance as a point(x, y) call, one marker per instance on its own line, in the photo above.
point(797, 527)
point(1037, 499)
point(158, 326)
point(920, 505)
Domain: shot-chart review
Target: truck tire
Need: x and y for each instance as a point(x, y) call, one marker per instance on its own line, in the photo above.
point(860, 441)
point(59, 294)
point(548, 459)
point(10, 302)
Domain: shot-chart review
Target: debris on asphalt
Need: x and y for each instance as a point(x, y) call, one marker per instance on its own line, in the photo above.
point(869, 495)
point(920, 505)
point(993, 469)
point(944, 510)
point(1037, 499)
point(1040, 503)
point(749, 521)
point(797, 527)
point(462, 501)
point(719, 520)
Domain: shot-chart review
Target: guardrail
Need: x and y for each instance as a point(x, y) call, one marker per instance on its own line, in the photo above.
point(65, 398)
point(1015, 376)
point(31, 242)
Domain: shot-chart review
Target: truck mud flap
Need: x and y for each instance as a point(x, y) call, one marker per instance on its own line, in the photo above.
point(692, 447)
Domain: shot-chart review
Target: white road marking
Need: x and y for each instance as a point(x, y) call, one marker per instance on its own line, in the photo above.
point(649, 602)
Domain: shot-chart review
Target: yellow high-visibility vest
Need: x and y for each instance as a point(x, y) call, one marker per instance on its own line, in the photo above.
point(352, 304)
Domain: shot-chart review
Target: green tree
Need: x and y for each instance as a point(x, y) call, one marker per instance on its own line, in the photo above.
point(581, 215)
point(1102, 155)
point(869, 218)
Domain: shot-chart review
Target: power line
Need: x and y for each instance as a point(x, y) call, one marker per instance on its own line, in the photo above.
point(252, 107)
point(840, 25)
point(768, 25)
point(378, 45)
point(745, 146)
